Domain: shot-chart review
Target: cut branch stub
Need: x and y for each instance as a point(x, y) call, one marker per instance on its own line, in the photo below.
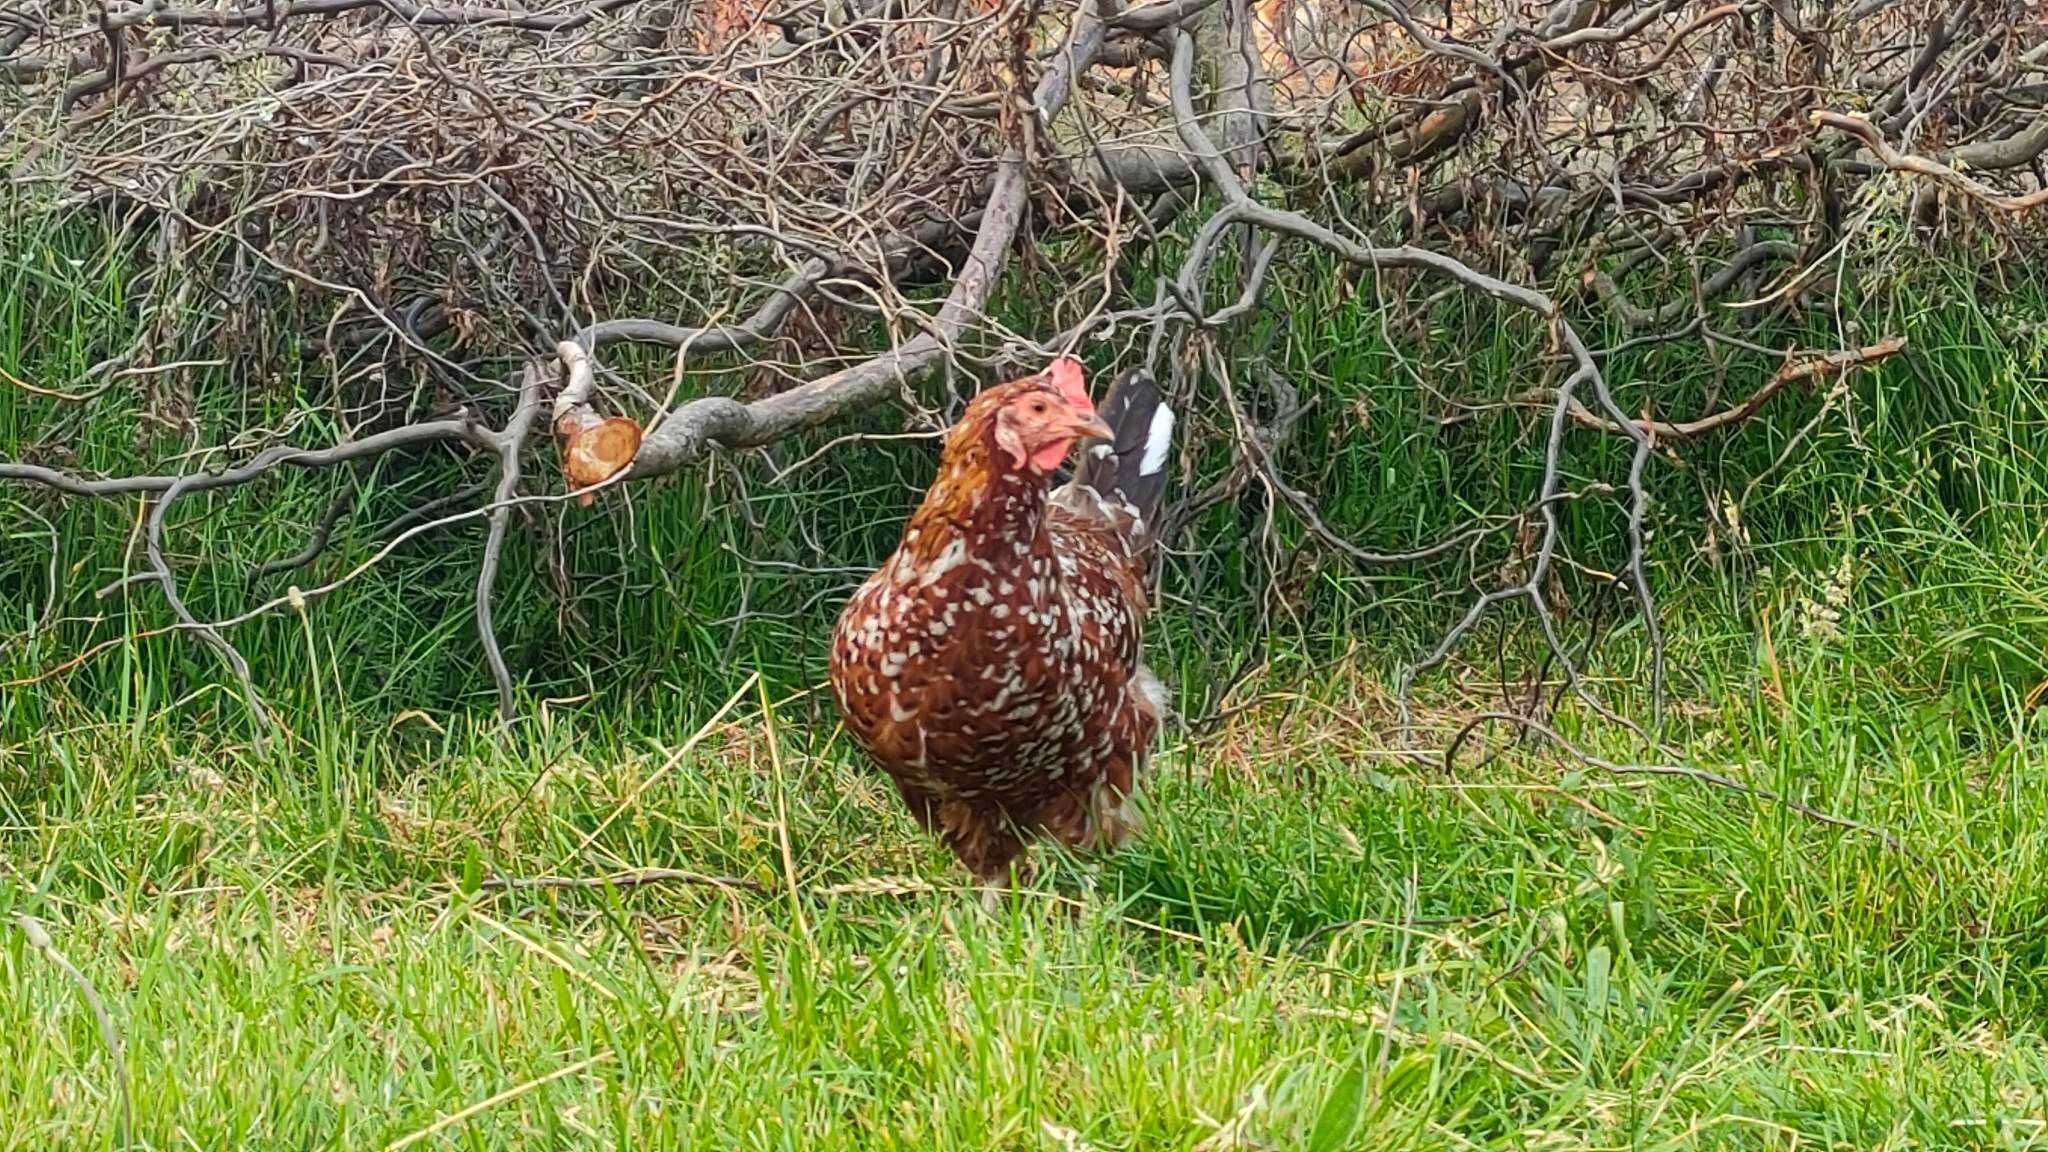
point(595, 449)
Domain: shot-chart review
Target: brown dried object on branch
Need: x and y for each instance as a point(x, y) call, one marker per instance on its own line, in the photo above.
point(594, 449)
point(991, 666)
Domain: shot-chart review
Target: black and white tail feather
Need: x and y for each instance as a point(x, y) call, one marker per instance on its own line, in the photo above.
point(1122, 480)
point(1127, 472)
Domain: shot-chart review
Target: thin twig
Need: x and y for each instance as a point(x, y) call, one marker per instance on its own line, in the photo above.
point(634, 879)
point(39, 939)
point(1794, 371)
point(455, 1119)
point(1681, 771)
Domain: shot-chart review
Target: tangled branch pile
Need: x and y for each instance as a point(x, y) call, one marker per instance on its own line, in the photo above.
point(439, 198)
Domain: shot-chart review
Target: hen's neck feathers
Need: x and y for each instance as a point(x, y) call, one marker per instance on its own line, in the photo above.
point(977, 500)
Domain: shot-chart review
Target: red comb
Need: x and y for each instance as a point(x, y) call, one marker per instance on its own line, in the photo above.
point(1065, 374)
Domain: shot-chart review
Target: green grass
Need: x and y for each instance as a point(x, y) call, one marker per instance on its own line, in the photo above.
point(300, 954)
point(1321, 941)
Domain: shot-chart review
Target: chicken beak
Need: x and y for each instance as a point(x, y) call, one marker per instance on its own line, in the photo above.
point(1091, 427)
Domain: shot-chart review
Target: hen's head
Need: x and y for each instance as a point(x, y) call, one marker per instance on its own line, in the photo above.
point(1031, 424)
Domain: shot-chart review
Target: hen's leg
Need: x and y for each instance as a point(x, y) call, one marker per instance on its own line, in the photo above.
point(924, 807)
point(1112, 818)
point(1099, 816)
point(1017, 874)
point(984, 841)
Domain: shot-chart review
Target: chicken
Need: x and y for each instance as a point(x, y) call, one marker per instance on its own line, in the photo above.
point(991, 666)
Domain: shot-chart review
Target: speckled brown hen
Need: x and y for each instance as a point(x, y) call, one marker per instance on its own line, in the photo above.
point(991, 666)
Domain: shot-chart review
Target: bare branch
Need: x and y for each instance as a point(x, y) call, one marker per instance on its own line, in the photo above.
point(1948, 177)
point(1681, 771)
point(38, 937)
point(1794, 371)
point(510, 443)
point(816, 206)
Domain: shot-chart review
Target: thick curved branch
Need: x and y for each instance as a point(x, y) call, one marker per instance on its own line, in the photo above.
point(322, 533)
point(1948, 177)
point(1159, 15)
point(509, 444)
point(714, 338)
point(154, 14)
point(1637, 318)
point(2017, 150)
point(410, 435)
point(682, 436)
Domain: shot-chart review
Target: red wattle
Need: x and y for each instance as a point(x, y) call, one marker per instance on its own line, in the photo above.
point(1048, 458)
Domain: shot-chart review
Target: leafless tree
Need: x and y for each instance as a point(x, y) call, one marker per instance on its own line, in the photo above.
point(474, 203)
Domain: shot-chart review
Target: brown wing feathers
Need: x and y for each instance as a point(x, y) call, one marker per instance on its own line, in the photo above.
point(991, 668)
